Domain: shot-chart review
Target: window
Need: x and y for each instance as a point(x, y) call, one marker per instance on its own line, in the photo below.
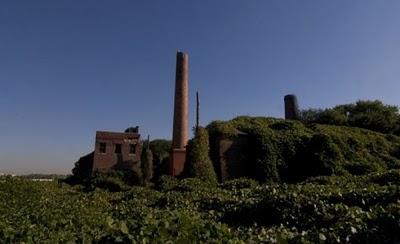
point(102, 148)
point(118, 148)
point(132, 148)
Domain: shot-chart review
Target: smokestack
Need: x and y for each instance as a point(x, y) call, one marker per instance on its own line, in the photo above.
point(180, 127)
point(291, 107)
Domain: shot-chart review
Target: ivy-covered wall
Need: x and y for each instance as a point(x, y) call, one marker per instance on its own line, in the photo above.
point(289, 151)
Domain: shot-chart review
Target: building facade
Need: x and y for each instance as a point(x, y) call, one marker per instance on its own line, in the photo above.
point(116, 150)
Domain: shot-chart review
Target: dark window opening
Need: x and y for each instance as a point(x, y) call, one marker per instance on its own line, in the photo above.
point(102, 148)
point(117, 148)
point(132, 148)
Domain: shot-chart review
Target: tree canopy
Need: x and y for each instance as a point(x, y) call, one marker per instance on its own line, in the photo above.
point(199, 162)
point(372, 115)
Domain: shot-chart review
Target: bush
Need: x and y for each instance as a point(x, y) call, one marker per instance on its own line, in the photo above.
point(82, 170)
point(322, 156)
point(198, 160)
point(192, 184)
point(109, 181)
point(147, 164)
point(161, 149)
point(166, 183)
point(114, 180)
point(362, 168)
point(238, 184)
point(389, 177)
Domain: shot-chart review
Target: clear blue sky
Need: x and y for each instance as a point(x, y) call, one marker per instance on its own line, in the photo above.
point(69, 68)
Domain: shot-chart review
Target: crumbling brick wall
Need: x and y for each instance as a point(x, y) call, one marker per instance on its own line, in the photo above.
point(110, 159)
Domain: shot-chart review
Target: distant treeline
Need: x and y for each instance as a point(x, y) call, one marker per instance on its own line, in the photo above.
point(372, 115)
point(43, 176)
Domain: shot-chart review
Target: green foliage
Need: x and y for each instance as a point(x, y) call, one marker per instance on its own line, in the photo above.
point(198, 160)
point(390, 177)
point(43, 176)
point(372, 115)
point(290, 151)
point(113, 180)
point(322, 156)
point(161, 149)
point(240, 183)
point(219, 128)
point(132, 129)
point(82, 170)
point(333, 209)
point(191, 184)
point(147, 164)
point(167, 183)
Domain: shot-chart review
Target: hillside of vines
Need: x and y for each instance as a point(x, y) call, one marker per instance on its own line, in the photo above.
point(332, 209)
point(305, 183)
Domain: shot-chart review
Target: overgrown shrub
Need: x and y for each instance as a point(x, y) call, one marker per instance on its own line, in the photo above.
point(191, 184)
point(331, 209)
point(198, 159)
point(82, 170)
point(147, 164)
point(322, 156)
point(240, 183)
point(161, 149)
point(114, 180)
point(111, 181)
point(389, 177)
point(166, 183)
point(289, 151)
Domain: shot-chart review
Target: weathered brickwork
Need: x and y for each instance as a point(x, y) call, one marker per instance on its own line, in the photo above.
point(114, 150)
point(180, 124)
point(232, 157)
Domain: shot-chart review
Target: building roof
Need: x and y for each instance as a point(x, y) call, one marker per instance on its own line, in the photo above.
point(116, 135)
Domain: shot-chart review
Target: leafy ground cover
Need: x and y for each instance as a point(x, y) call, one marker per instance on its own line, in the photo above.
point(332, 209)
point(290, 151)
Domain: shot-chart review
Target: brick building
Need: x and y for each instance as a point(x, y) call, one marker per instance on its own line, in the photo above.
point(116, 150)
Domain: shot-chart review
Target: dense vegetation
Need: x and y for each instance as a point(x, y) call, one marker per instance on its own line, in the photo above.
point(160, 149)
point(310, 181)
point(357, 209)
point(147, 164)
point(199, 164)
point(290, 151)
point(153, 163)
point(372, 115)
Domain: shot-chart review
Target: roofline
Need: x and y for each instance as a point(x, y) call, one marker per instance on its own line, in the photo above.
point(116, 132)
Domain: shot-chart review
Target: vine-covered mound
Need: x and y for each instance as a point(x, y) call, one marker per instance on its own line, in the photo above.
point(356, 209)
point(289, 151)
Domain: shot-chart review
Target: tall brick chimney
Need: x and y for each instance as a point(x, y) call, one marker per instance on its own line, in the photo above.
point(180, 127)
point(291, 107)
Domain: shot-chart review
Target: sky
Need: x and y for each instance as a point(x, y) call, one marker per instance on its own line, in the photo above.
point(69, 68)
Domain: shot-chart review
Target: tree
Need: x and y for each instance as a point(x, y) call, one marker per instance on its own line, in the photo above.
point(372, 115)
point(132, 129)
point(199, 162)
point(82, 170)
point(147, 163)
point(161, 149)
